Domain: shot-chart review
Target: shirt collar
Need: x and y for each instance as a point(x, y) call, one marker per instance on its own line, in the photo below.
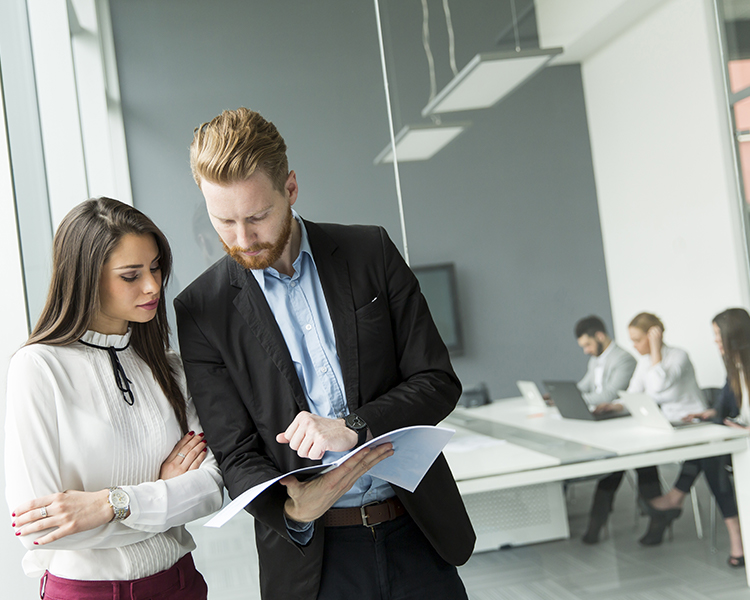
point(304, 248)
point(603, 356)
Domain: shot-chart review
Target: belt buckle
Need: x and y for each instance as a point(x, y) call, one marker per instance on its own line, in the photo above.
point(363, 513)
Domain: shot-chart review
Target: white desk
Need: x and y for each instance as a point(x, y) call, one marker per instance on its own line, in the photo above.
point(553, 449)
point(513, 516)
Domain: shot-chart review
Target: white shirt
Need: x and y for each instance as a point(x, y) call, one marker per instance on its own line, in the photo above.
point(68, 428)
point(671, 383)
point(599, 367)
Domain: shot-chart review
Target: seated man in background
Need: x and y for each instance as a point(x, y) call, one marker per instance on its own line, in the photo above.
point(610, 367)
point(609, 371)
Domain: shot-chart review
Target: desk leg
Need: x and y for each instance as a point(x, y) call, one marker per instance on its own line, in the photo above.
point(741, 469)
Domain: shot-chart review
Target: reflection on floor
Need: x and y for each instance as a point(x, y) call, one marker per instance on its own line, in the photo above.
point(618, 568)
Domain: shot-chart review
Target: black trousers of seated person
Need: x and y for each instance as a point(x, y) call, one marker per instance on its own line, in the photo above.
point(393, 561)
point(717, 477)
point(648, 482)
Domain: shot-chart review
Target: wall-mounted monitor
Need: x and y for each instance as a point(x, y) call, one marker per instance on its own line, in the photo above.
point(438, 283)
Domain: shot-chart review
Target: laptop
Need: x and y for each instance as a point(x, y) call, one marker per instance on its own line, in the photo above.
point(647, 412)
point(569, 401)
point(532, 395)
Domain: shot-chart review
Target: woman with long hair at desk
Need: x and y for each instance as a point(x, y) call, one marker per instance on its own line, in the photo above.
point(104, 456)
point(732, 336)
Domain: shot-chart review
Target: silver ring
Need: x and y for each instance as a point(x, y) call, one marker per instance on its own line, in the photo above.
point(43, 510)
point(181, 454)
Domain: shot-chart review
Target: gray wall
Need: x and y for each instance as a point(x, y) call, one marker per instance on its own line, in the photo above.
point(512, 201)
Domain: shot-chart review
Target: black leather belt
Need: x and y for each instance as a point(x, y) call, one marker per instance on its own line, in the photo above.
point(368, 515)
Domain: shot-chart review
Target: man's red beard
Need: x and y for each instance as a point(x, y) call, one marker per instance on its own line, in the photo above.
point(271, 251)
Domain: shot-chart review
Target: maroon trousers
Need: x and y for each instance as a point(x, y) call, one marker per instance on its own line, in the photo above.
point(180, 582)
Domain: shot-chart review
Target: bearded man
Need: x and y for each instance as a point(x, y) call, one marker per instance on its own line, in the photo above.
point(609, 371)
point(302, 343)
point(610, 367)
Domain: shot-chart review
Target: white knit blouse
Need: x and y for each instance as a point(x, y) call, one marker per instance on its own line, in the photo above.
point(670, 382)
point(69, 428)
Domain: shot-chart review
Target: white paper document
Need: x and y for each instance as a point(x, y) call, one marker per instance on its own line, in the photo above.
point(414, 450)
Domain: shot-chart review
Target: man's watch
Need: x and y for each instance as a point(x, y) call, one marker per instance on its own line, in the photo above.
point(120, 503)
point(358, 426)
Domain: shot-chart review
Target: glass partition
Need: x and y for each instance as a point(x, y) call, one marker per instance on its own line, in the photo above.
point(733, 19)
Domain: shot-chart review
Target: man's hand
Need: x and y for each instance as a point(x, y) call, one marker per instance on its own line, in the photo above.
point(311, 499)
point(607, 407)
point(311, 436)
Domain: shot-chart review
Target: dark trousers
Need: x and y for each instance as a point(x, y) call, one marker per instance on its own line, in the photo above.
point(391, 561)
point(648, 482)
point(717, 477)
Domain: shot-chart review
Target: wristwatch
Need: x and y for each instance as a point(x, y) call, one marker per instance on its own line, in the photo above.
point(120, 503)
point(358, 426)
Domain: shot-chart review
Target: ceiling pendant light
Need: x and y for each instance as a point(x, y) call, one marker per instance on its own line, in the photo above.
point(490, 76)
point(422, 142)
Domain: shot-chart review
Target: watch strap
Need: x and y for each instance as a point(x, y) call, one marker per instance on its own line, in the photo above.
point(121, 513)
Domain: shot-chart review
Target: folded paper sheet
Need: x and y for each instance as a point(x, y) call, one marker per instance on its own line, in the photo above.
point(414, 450)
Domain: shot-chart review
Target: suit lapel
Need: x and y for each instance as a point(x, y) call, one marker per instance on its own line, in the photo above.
point(252, 305)
point(333, 271)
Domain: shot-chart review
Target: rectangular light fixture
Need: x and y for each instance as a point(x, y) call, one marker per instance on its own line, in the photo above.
point(487, 78)
point(420, 142)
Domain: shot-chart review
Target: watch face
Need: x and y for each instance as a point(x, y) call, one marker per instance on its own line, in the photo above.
point(355, 422)
point(119, 499)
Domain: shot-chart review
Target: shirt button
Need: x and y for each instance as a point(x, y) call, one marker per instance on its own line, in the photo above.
point(293, 284)
point(324, 370)
point(308, 327)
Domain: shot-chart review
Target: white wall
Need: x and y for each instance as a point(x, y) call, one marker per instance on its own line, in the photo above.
point(669, 208)
point(14, 333)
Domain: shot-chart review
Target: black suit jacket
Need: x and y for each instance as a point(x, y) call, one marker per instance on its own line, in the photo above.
point(396, 373)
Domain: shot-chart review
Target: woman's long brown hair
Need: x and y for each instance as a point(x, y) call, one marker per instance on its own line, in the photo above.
point(84, 241)
point(734, 326)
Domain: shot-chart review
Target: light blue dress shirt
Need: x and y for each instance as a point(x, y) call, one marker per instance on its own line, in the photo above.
point(301, 311)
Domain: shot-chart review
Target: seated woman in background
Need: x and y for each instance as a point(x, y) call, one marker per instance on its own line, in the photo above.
point(666, 374)
point(732, 336)
point(104, 458)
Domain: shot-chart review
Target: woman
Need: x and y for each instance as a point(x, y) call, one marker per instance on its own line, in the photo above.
point(666, 374)
point(103, 462)
point(732, 337)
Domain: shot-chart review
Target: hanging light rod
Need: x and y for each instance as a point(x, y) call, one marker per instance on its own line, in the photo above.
point(420, 142)
point(489, 77)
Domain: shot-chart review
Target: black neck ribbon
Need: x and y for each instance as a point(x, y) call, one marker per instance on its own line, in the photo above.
point(122, 381)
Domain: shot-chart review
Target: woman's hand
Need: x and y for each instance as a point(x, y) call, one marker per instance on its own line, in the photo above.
point(655, 343)
point(703, 416)
point(734, 424)
point(69, 512)
point(186, 456)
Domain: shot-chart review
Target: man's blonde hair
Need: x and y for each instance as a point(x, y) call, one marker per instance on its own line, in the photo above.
point(232, 146)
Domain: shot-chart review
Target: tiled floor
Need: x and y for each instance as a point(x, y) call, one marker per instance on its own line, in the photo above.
point(618, 568)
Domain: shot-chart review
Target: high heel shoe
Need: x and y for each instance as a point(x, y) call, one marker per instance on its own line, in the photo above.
point(660, 520)
point(650, 510)
point(736, 561)
point(600, 509)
